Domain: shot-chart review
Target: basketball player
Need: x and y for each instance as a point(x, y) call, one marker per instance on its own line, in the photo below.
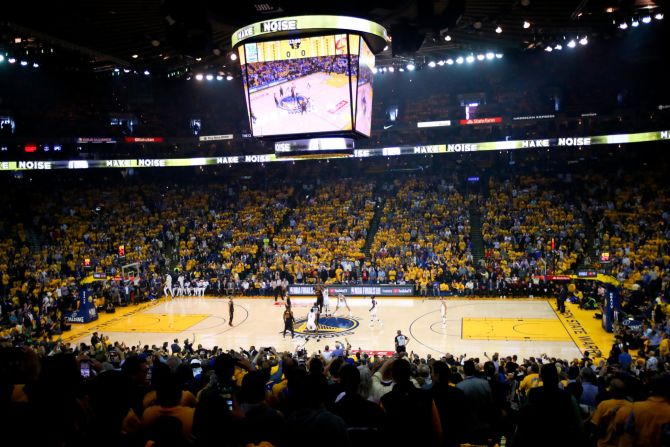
point(342, 301)
point(311, 319)
point(373, 313)
point(326, 301)
point(443, 311)
point(401, 342)
point(231, 311)
point(319, 297)
point(288, 321)
point(180, 280)
point(168, 286)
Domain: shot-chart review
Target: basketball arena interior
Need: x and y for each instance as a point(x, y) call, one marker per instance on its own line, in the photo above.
point(401, 223)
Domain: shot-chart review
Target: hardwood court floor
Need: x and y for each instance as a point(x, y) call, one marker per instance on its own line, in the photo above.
point(524, 326)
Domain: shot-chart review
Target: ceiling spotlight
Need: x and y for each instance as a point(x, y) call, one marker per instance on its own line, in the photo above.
point(432, 64)
point(548, 49)
point(126, 70)
point(391, 69)
point(401, 69)
point(646, 19)
point(635, 23)
point(135, 56)
point(24, 63)
point(441, 63)
point(583, 41)
point(624, 25)
point(36, 65)
point(558, 47)
point(198, 77)
point(155, 43)
point(375, 70)
point(146, 73)
point(490, 56)
point(572, 44)
point(459, 60)
point(609, 10)
point(447, 38)
point(209, 77)
point(451, 61)
point(233, 56)
point(499, 56)
point(470, 59)
point(659, 16)
point(477, 24)
point(410, 66)
point(229, 78)
point(480, 57)
point(526, 24)
point(198, 59)
point(2, 58)
point(116, 70)
point(219, 78)
point(498, 29)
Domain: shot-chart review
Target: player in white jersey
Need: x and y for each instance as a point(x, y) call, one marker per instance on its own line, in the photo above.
point(311, 319)
point(326, 302)
point(443, 311)
point(373, 313)
point(168, 286)
point(180, 280)
point(342, 301)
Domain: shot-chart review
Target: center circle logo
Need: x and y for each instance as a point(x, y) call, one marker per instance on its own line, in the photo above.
point(329, 327)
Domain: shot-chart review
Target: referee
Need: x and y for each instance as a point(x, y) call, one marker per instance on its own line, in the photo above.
point(401, 342)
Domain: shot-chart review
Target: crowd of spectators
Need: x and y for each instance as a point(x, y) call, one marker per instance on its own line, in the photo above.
point(529, 227)
point(180, 394)
point(263, 74)
point(423, 237)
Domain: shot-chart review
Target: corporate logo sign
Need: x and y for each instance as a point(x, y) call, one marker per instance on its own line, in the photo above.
point(358, 290)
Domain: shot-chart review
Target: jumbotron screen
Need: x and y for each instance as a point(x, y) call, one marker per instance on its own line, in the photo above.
point(308, 86)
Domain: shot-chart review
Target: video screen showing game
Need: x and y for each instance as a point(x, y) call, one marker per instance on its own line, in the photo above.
point(300, 86)
point(364, 92)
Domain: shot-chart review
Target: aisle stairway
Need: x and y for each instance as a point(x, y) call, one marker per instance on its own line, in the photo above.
point(374, 226)
point(476, 233)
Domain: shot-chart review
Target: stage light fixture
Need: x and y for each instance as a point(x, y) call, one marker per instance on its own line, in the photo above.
point(659, 16)
point(24, 63)
point(548, 49)
point(229, 78)
point(584, 40)
point(558, 47)
point(624, 25)
point(635, 23)
point(391, 69)
point(447, 38)
point(198, 77)
point(450, 61)
point(499, 56)
point(432, 64)
point(490, 56)
point(411, 66)
point(459, 60)
point(498, 29)
point(2, 58)
point(135, 56)
point(233, 56)
point(572, 44)
point(36, 65)
point(646, 19)
point(146, 73)
point(209, 77)
point(470, 59)
point(526, 24)
point(374, 70)
point(440, 63)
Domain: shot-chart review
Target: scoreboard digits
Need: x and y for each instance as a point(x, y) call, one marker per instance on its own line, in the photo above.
point(295, 48)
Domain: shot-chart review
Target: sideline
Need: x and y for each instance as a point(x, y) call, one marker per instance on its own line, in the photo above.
point(584, 330)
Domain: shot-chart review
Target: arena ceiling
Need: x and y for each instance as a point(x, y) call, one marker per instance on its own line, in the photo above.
point(167, 35)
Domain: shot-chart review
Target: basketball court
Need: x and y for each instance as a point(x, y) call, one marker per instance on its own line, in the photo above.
point(328, 109)
point(528, 327)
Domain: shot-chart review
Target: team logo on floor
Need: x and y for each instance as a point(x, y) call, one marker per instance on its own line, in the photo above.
point(329, 327)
